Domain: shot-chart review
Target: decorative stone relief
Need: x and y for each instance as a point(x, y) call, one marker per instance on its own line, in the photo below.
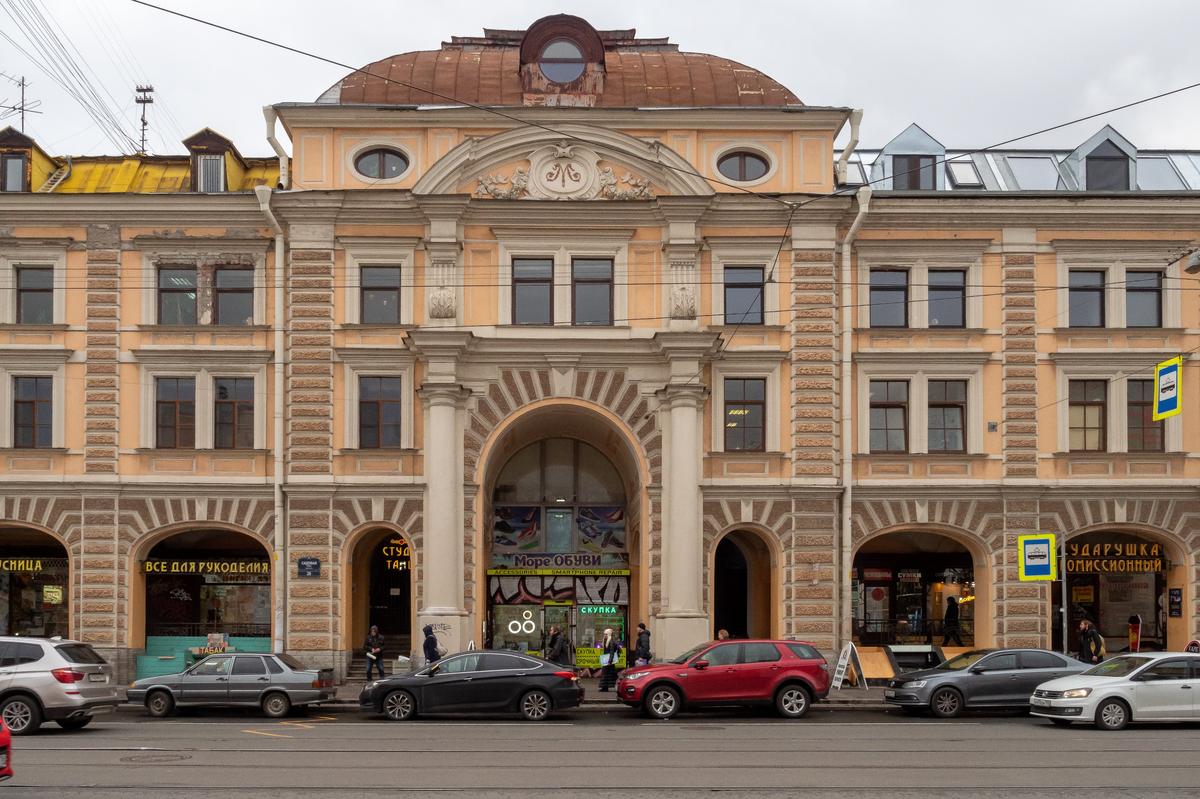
point(494, 186)
point(564, 171)
point(442, 300)
point(683, 303)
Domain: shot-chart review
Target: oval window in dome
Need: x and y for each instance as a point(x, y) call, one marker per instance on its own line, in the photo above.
point(561, 61)
point(743, 165)
point(381, 163)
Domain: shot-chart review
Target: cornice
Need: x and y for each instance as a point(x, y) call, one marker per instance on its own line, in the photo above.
point(919, 357)
point(238, 209)
point(220, 356)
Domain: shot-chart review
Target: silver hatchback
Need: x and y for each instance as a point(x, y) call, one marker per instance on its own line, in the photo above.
point(52, 679)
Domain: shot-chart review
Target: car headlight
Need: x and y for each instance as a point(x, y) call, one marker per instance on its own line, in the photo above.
point(1077, 693)
point(637, 675)
point(914, 684)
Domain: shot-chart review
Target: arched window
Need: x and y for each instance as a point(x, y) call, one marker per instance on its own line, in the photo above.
point(562, 471)
point(743, 165)
point(561, 61)
point(381, 163)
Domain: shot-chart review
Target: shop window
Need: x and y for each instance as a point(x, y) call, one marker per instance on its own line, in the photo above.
point(379, 412)
point(12, 172)
point(744, 291)
point(1107, 169)
point(233, 296)
point(947, 298)
point(889, 415)
point(1087, 410)
point(947, 415)
point(1085, 290)
point(913, 173)
point(1143, 299)
point(533, 291)
point(175, 412)
point(889, 298)
point(380, 295)
point(234, 413)
point(1145, 434)
point(592, 291)
point(35, 295)
point(745, 414)
point(33, 412)
point(177, 296)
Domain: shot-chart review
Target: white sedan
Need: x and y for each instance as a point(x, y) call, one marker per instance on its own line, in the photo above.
point(1153, 686)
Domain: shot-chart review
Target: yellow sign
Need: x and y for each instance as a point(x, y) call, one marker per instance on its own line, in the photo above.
point(588, 657)
point(208, 567)
point(52, 594)
point(20, 565)
point(1037, 557)
point(1168, 388)
point(556, 572)
point(396, 555)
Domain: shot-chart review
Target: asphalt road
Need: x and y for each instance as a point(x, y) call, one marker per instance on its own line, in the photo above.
point(590, 753)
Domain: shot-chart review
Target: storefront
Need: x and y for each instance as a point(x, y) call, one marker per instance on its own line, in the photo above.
point(35, 584)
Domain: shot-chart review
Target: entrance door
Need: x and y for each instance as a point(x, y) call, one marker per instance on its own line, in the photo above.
point(390, 597)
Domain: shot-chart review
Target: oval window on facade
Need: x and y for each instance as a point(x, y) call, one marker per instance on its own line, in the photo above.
point(743, 165)
point(561, 61)
point(381, 163)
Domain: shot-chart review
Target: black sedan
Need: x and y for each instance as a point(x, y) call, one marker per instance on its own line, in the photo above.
point(477, 682)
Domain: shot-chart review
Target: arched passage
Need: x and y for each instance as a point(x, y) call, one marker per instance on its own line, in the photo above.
point(381, 591)
point(203, 589)
point(35, 583)
point(743, 586)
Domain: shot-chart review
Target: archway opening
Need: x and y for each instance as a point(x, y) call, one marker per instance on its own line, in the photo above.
point(205, 591)
point(381, 595)
point(35, 584)
point(915, 587)
point(742, 586)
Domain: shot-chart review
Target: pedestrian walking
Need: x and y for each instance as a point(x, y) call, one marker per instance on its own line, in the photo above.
point(433, 652)
point(558, 649)
point(1091, 643)
point(951, 627)
point(641, 650)
point(609, 653)
point(374, 647)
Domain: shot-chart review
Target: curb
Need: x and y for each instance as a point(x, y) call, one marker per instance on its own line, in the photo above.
point(588, 706)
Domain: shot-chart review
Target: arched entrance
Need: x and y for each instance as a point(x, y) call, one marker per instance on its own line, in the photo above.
point(35, 584)
point(205, 590)
point(902, 585)
point(381, 593)
point(742, 586)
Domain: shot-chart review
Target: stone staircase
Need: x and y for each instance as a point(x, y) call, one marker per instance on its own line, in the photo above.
point(394, 647)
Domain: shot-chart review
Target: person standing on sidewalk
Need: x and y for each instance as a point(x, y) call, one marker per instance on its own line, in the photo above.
point(641, 650)
point(951, 627)
point(610, 651)
point(374, 647)
point(557, 649)
point(430, 647)
point(1091, 643)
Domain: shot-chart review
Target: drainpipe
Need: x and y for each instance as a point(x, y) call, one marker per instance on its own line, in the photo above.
point(847, 151)
point(270, 115)
point(264, 203)
point(847, 394)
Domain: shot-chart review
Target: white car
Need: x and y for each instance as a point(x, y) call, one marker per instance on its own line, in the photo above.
point(1151, 686)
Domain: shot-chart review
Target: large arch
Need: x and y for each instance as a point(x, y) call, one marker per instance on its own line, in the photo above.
point(744, 585)
point(360, 547)
point(37, 591)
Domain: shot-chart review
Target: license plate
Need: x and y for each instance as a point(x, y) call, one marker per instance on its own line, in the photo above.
point(97, 678)
point(889, 693)
point(1039, 702)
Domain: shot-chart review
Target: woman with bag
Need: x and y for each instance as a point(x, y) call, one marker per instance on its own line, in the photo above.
point(609, 654)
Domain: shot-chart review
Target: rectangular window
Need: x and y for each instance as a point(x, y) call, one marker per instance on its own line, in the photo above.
point(533, 291)
point(1085, 292)
point(744, 291)
point(35, 295)
point(12, 173)
point(177, 295)
point(33, 412)
point(1088, 401)
point(745, 414)
point(234, 413)
point(378, 412)
point(233, 291)
point(1145, 434)
point(175, 412)
point(211, 170)
point(889, 298)
point(592, 291)
point(1107, 174)
point(889, 416)
point(947, 415)
point(913, 172)
point(947, 298)
point(1143, 299)
point(380, 297)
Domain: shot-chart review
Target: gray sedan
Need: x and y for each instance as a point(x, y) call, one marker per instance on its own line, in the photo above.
point(275, 683)
point(981, 678)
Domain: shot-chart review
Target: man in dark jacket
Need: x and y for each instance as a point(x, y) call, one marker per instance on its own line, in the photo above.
point(431, 645)
point(951, 628)
point(557, 648)
point(1091, 645)
point(641, 649)
point(374, 647)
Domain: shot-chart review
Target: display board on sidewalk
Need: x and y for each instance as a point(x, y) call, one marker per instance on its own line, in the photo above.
point(848, 659)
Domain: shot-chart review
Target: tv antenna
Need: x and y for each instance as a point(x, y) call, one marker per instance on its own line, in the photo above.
point(23, 107)
point(144, 99)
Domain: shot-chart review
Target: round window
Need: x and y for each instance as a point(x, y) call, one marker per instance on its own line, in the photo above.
point(742, 165)
point(561, 61)
point(381, 163)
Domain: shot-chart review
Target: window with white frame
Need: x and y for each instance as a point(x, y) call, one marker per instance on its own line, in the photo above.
point(745, 404)
point(745, 284)
point(189, 288)
point(379, 406)
point(32, 401)
point(563, 283)
point(918, 405)
point(1106, 406)
point(1133, 287)
point(32, 288)
point(203, 400)
point(918, 286)
point(380, 280)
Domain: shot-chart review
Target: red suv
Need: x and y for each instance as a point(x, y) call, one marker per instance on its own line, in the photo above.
point(787, 674)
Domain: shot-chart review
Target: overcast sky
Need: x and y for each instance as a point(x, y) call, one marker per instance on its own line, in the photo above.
point(971, 73)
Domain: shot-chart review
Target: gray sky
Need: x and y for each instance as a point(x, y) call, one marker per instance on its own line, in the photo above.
point(971, 73)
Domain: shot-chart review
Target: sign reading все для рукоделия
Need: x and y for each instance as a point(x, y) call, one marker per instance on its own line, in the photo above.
point(1168, 388)
point(1037, 557)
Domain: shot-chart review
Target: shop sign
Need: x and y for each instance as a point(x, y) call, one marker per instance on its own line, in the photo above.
point(877, 575)
point(52, 594)
point(20, 565)
point(1083, 594)
point(221, 567)
point(1175, 603)
point(588, 657)
point(1193, 646)
point(308, 567)
point(542, 560)
point(215, 645)
point(557, 572)
point(607, 610)
point(396, 554)
point(1168, 384)
point(1037, 557)
point(909, 575)
point(1116, 557)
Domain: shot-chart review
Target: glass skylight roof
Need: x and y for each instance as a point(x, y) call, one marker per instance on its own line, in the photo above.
point(1033, 173)
point(855, 174)
point(964, 173)
point(1157, 174)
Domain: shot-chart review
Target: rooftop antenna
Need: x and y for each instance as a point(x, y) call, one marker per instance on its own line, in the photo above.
point(143, 99)
point(22, 107)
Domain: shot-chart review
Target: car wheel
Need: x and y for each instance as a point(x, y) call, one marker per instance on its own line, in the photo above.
point(662, 702)
point(1112, 715)
point(792, 701)
point(1061, 722)
point(535, 706)
point(946, 703)
point(399, 706)
point(77, 723)
point(160, 704)
point(21, 715)
point(276, 705)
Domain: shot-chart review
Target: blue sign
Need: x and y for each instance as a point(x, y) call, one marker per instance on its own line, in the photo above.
point(1038, 557)
point(1167, 385)
point(308, 567)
